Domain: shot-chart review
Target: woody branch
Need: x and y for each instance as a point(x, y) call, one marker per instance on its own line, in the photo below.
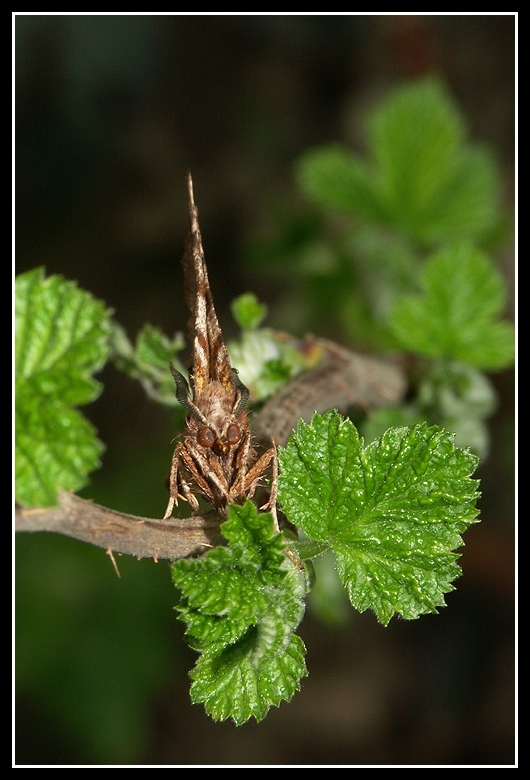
point(141, 537)
point(342, 379)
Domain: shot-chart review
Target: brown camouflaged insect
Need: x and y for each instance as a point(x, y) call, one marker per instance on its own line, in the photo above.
point(215, 458)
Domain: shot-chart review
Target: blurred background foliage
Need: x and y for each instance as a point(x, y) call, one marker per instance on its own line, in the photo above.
point(110, 113)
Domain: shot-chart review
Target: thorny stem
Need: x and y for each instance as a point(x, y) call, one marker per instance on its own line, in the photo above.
point(125, 534)
point(342, 379)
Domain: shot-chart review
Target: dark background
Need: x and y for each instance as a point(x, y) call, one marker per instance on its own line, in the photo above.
point(110, 113)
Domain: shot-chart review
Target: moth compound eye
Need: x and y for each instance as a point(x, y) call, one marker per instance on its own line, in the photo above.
point(233, 434)
point(206, 437)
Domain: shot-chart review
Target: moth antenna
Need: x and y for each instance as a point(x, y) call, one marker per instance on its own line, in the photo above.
point(194, 223)
point(183, 394)
point(181, 388)
point(244, 392)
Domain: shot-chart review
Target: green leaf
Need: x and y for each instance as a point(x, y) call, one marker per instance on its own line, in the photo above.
point(379, 420)
point(248, 312)
point(393, 512)
point(61, 340)
point(459, 397)
point(421, 178)
point(414, 135)
point(233, 685)
point(306, 549)
point(456, 315)
point(456, 390)
point(434, 186)
point(334, 177)
point(148, 361)
point(453, 395)
point(264, 362)
point(242, 604)
point(469, 206)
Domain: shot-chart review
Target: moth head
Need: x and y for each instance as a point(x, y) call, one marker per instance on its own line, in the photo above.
point(220, 445)
point(218, 423)
point(224, 419)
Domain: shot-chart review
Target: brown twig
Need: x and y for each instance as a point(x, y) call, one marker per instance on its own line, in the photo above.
point(341, 379)
point(139, 536)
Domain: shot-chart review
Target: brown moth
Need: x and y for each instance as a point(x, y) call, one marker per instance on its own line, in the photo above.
point(215, 458)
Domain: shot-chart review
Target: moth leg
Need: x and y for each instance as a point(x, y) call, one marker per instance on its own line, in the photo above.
point(218, 489)
point(169, 509)
point(259, 468)
point(256, 472)
point(173, 483)
point(271, 503)
point(176, 477)
point(188, 495)
point(238, 485)
point(215, 488)
point(273, 495)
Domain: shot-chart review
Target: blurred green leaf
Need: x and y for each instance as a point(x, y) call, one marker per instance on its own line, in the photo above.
point(414, 136)
point(459, 397)
point(264, 361)
point(469, 206)
point(457, 390)
point(453, 395)
point(455, 317)
point(148, 361)
point(335, 177)
point(248, 312)
point(422, 179)
point(379, 420)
